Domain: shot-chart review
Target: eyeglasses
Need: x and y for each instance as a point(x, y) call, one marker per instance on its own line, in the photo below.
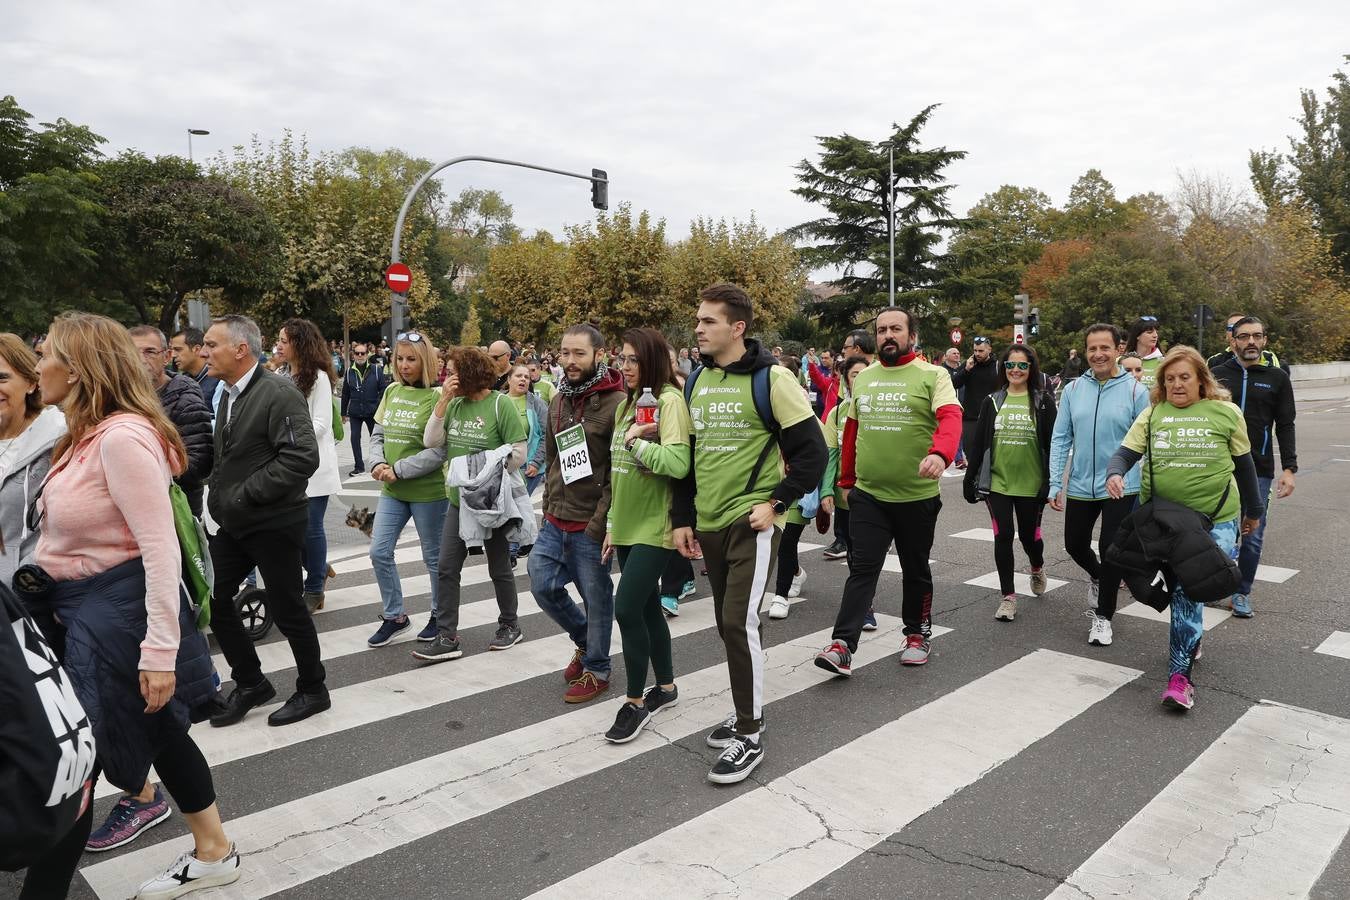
point(498, 355)
point(981, 340)
point(412, 337)
point(1021, 364)
point(1153, 319)
point(1254, 336)
point(622, 360)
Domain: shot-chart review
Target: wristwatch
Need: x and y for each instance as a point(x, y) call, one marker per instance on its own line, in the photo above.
point(779, 507)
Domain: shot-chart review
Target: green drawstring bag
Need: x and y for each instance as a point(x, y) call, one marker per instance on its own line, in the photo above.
point(198, 575)
point(339, 433)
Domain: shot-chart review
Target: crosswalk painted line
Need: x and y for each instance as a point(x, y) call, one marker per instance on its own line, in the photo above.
point(1021, 583)
point(1274, 574)
point(780, 839)
point(1211, 615)
point(422, 686)
point(314, 836)
point(1258, 814)
point(1338, 644)
point(976, 534)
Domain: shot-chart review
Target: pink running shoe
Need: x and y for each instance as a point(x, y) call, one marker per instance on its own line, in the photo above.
point(1180, 693)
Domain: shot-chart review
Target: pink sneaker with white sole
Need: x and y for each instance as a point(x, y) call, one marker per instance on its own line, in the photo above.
point(1180, 693)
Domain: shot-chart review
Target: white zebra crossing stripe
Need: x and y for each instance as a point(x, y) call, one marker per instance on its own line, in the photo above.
point(1211, 616)
point(1021, 583)
point(806, 824)
point(976, 534)
point(1258, 814)
point(304, 839)
point(1338, 644)
point(1274, 574)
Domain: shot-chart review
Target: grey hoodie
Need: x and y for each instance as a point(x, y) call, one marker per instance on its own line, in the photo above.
point(22, 468)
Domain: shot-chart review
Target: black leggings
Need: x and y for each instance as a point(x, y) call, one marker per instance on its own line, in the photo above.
point(1079, 518)
point(1027, 511)
point(787, 556)
point(185, 775)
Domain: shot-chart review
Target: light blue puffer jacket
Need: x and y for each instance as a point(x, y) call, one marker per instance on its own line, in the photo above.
point(1093, 419)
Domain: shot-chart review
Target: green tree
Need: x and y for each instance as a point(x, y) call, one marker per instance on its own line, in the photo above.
point(850, 180)
point(170, 232)
point(768, 267)
point(1001, 235)
point(524, 286)
point(615, 273)
point(1093, 211)
point(1317, 168)
point(49, 211)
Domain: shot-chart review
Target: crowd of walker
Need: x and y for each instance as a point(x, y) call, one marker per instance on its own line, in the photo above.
point(655, 456)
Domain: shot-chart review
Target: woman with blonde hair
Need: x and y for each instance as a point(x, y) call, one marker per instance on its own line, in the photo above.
point(414, 485)
point(1199, 456)
point(28, 431)
point(107, 584)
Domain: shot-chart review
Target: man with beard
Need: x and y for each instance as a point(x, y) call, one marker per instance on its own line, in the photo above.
point(757, 448)
point(977, 379)
point(1263, 391)
point(902, 431)
point(576, 504)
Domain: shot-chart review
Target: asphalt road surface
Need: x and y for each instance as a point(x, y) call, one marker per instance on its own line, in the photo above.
point(1019, 763)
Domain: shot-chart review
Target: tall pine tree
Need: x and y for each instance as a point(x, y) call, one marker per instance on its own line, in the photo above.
point(850, 181)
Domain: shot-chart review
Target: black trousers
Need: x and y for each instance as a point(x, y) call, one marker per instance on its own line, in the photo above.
point(841, 533)
point(679, 571)
point(788, 563)
point(1027, 512)
point(873, 524)
point(355, 423)
point(277, 555)
point(1079, 518)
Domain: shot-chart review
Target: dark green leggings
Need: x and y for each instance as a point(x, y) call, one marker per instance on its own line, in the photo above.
point(637, 609)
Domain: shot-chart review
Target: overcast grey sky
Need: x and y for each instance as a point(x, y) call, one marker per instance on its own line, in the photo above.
point(694, 108)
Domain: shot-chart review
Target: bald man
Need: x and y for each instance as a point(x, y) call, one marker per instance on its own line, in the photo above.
point(500, 351)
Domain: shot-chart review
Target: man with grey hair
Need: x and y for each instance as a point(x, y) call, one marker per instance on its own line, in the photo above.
point(265, 451)
point(181, 397)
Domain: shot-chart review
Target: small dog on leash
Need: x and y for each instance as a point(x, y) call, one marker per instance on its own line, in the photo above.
point(361, 518)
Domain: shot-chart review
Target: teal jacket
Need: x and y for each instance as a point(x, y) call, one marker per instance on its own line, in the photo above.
point(1093, 419)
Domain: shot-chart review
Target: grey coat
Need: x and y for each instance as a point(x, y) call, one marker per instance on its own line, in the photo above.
point(22, 468)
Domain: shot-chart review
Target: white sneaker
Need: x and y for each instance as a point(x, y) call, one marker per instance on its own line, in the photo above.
point(797, 581)
point(778, 607)
point(1038, 582)
point(1100, 631)
point(188, 874)
point(1007, 609)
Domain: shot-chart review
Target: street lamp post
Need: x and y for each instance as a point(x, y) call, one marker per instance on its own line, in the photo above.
point(191, 132)
point(599, 199)
point(890, 213)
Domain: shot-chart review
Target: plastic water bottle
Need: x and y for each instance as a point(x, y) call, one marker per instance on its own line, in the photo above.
point(646, 408)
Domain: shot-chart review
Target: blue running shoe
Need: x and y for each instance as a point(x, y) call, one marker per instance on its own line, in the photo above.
point(670, 605)
point(1242, 606)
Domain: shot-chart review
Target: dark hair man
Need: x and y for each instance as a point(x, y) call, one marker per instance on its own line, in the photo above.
point(903, 426)
point(186, 348)
point(265, 451)
point(183, 403)
point(977, 379)
point(1266, 396)
point(362, 386)
point(757, 448)
point(577, 439)
point(1268, 357)
point(860, 343)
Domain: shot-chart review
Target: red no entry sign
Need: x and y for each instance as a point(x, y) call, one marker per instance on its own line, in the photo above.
point(398, 277)
point(956, 335)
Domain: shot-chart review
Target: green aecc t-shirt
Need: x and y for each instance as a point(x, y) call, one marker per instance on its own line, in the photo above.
point(1192, 450)
point(641, 482)
point(402, 414)
point(1016, 471)
point(474, 425)
point(896, 411)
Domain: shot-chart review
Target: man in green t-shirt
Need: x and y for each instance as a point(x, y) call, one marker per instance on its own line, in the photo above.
point(903, 428)
point(746, 471)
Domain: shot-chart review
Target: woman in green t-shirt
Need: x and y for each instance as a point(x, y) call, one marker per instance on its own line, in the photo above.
point(413, 479)
point(644, 462)
point(533, 410)
point(1142, 339)
point(470, 417)
point(1197, 446)
point(1009, 468)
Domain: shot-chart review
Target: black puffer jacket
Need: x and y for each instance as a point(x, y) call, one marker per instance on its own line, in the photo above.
point(980, 452)
point(183, 402)
point(1165, 537)
point(978, 382)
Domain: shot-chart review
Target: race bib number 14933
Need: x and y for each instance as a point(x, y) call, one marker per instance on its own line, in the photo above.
point(573, 454)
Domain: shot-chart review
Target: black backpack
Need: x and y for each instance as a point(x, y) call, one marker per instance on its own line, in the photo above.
point(46, 743)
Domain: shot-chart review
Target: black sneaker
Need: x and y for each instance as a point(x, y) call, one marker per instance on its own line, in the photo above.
point(507, 636)
point(837, 550)
point(357, 471)
point(722, 735)
point(738, 760)
point(440, 650)
point(657, 698)
point(628, 723)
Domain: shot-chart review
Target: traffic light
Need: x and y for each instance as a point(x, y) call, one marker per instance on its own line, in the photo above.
point(1034, 322)
point(1202, 315)
point(599, 189)
point(398, 315)
point(1021, 307)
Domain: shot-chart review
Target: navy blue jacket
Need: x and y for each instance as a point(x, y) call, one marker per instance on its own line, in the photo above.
point(361, 390)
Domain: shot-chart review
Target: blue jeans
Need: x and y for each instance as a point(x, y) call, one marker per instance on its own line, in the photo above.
point(533, 481)
point(391, 515)
point(316, 546)
point(1188, 623)
point(560, 557)
point(1249, 556)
